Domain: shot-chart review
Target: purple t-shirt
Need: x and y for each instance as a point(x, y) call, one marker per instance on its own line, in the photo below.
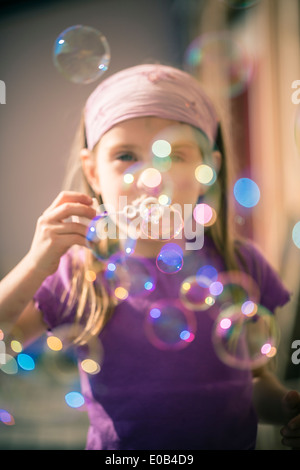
point(154, 392)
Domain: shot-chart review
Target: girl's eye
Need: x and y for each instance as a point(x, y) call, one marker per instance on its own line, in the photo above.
point(176, 158)
point(126, 157)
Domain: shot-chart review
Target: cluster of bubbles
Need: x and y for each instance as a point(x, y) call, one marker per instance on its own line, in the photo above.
point(245, 333)
point(58, 358)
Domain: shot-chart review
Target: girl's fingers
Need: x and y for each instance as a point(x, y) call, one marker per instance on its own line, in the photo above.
point(69, 209)
point(68, 228)
point(70, 196)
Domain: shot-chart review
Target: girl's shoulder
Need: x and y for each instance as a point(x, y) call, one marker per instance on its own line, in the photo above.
point(272, 289)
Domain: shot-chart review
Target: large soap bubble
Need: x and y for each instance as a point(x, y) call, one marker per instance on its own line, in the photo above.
point(81, 54)
point(245, 335)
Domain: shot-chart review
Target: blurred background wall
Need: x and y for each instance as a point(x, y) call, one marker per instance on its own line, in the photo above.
point(258, 42)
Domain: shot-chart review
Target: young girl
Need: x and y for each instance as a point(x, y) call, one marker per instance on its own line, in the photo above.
point(141, 307)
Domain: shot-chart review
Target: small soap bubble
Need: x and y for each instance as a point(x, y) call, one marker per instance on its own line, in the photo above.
point(170, 259)
point(203, 214)
point(245, 341)
point(195, 293)
point(81, 54)
point(90, 366)
point(74, 399)
point(169, 326)
point(130, 277)
point(235, 287)
point(8, 364)
point(25, 361)
point(153, 181)
point(161, 148)
point(6, 418)
point(205, 174)
point(246, 192)
point(208, 273)
point(54, 343)
point(162, 222)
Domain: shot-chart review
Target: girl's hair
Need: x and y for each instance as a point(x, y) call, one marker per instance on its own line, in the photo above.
point(95, 295)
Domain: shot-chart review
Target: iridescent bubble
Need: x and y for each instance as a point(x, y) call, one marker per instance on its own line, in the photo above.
point(81, 54)
point(170, 259)
point(205, 174)
point(296, 234)
point(16, 346)
point(130, 277)
point(246, 192)
point(151, 181)
point(25, 361)
point(103, 236)
point(161, 148)
point(9, 365)
point(204, 214)
point(6, 418)
point(245, 341)
point(169, 326)
point(61, 359)
point(74, 399)
point(236, 287)
point(206, 275)
point(162, 222)
point(90, 366)
point(218, 53)
point(195, 294)
point(54, 343)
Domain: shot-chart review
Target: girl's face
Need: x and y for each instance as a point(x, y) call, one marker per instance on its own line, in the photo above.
point(127, 148)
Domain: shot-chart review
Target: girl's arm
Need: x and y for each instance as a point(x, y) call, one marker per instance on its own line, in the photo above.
point(54, 235)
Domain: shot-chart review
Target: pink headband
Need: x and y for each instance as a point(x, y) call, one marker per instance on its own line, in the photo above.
point(148, 90)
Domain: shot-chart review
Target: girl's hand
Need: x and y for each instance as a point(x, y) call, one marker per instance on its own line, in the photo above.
point(55, 234)
point(291, 432)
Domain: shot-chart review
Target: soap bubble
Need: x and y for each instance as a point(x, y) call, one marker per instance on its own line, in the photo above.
point(195, 293)
point(219, 54)
point(112, 227)
point(6, 418)
point(169, 326)
point(129, 277)
point(162, 222)
point(170, 259)
point(235, 287)
point(81, 54)
point(74, 399)
point(245, 337)
point(140, 178)
point(246, 192)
